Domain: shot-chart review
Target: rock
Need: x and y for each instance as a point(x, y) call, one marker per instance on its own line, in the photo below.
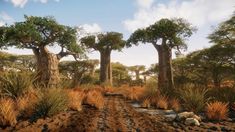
point(184, 115)
point(197, 117)
point(192, 121)
point(170, 117)
point(169, 112)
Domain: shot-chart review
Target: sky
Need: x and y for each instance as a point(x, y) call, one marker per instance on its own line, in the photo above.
point(124, 16)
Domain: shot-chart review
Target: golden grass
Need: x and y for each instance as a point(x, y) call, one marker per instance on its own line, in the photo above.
point(133, 93)
point(217, 111)
point(174, 104)
point(26, 103)
point(162, 102)
point(75, 99)
point(146, 103)
point(95, 98)
point(8, 112)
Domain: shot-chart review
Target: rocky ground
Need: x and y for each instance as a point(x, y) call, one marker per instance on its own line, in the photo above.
point(118, 115)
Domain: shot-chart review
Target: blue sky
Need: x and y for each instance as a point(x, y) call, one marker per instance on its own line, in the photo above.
point(123, 16)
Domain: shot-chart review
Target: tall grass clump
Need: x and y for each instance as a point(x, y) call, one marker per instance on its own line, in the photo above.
point(14, 84)
point(27, 102)
point(8, 112)
point(76, 99)
point(217, 111)
point(51, 102)
point(193, 99)
point(95, 98)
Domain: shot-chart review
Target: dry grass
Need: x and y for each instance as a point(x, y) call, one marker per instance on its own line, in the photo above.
point(146, 103)
point(133, 93)
point(175, 104)
point(95, 98)
point(217, 111)
point(8, 112)
point(162, 102)
point(26, 103)
point(75, 99)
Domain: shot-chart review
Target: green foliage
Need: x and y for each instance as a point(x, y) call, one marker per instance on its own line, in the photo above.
point(14, 84)
point(106, 41)
point(193, 98)
point(225, 95)
point(224, 33)
point(151, 83)
point(175, 30)
point(51, 102)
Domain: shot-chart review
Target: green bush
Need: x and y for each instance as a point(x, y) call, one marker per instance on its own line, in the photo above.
point(51, 102)
point(226, 95)
point(193, 99)
point(14, 84)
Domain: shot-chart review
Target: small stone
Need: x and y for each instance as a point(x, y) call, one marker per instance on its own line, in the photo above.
point(170, 117)
point(184, 115)
point(197, 117)
point(192, 121)
point(175, 124)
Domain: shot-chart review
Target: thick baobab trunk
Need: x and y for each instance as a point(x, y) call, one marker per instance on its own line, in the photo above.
point(165, 76)
point(105, 67)
point(47, 67)
point(137, 74)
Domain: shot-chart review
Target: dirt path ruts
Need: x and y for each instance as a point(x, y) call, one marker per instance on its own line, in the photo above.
point(120, 116)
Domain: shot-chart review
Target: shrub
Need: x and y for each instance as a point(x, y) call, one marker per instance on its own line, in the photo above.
point(162, 102)
point(146, 103)
point(26, 103)
point(193, 99)
point(133, 93)
point(8, 112)
point(51, 102)
point(217, 111)
point(225, 94)
point(95, 98)
point(14, 84)
point(75, 99)
point(174, 104)
point(150, 97)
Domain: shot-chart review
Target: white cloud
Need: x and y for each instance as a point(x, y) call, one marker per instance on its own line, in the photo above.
point(19, 3)
point(22, 3)
point(5, 18)
point(91, 28)
point(2, 23)
point(145, 3)
point(198, 12)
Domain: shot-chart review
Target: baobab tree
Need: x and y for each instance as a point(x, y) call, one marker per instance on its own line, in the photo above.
point(164, 35)
point(137, 69)
point(37, 33)
point(105, 43)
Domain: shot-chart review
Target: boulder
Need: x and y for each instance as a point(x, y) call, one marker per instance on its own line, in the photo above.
point(192, 121)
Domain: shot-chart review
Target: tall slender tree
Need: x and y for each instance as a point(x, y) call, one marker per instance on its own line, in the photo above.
point(105, 43)
point(37, 33)
point(164, 35)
